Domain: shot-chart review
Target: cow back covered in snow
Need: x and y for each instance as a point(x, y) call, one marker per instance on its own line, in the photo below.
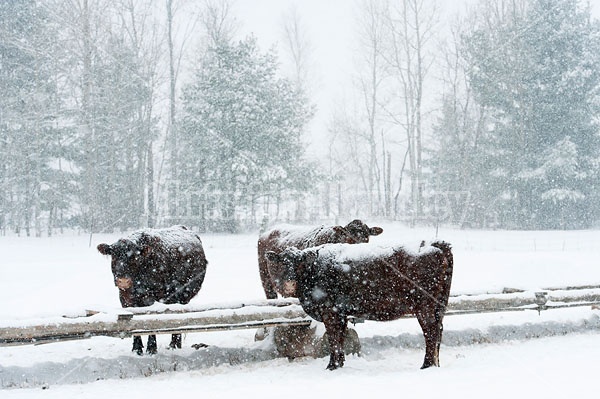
point(336, 281)
point(281, 237)
point(157, 265)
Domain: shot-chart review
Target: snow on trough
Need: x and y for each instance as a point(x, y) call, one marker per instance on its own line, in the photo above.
point(57, 276)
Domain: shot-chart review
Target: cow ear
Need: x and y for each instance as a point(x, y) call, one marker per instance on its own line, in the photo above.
point(375, 231)
point(272, 256)
point(104, 249)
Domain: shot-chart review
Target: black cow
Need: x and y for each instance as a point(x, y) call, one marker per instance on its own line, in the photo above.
point(162, 265)
point(281, 237)
point(335, 281)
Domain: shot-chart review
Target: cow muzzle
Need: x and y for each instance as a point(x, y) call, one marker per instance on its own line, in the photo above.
point(289, 288)
point(124, 283)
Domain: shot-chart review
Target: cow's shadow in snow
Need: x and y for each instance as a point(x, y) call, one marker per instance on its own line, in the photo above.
point(89, 369)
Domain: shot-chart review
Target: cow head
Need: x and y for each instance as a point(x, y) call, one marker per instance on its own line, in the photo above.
point(287, 266)
point(359, 232)
point(128, 257)
point(125, 256)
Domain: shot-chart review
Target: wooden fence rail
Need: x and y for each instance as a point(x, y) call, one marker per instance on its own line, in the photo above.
point(163, 319)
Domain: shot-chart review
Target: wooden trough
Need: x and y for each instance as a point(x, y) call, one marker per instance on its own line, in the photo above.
point(169, 319)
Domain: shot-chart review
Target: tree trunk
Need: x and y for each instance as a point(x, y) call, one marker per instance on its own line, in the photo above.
point(172, 129)
point(150, 186)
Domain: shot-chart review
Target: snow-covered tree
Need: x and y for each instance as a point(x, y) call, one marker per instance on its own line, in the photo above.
point(458, 168)
point(33, 186)
point(535, 67)
point(240, 136)
point(110, 82)
point(122, 133)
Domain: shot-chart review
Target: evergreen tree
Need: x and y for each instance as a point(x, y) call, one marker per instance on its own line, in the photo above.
point(33, 186)
point(537, 73)
point(110, 82)
point(120, 140)
point(240, 138)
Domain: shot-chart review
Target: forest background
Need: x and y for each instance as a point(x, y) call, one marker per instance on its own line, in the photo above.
point(117, 115)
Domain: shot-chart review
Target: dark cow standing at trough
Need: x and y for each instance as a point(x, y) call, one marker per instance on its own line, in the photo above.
point(281, 237)
point(157, 265)
point(336, 281)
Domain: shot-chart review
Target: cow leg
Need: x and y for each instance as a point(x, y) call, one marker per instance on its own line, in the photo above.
point(431, 324)
point(138, 346)
point(152, 348)
point(175, 341)
point(335, 325)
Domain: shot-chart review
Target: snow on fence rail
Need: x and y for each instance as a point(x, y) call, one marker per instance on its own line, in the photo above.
point(157, 319)
point(163, 319)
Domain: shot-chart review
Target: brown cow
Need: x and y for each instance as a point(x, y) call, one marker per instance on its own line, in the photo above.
point(163, 265)
point(284, 236)
point(336, 281)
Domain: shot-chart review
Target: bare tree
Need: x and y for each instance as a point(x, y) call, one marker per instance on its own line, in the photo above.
point(177, 40)
point(111, 76)
point(358, 142)
point(83, 32)
point(346, 168)
point(411, 27)
point(298, 46)
point(371, 22)
point(217, 21)
point(143, 33)
point(86, 111)
point(172, 132)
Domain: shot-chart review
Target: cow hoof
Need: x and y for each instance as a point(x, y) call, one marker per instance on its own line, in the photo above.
point(138, 351)
point(351, 344)
point(151, 351)
point(332, 366)
point(175, 341)
point(199, 346)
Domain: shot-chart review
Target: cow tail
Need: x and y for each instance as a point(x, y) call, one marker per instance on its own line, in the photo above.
point(447, 266)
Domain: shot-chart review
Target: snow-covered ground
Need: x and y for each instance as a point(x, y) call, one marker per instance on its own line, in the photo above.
point(553, 354)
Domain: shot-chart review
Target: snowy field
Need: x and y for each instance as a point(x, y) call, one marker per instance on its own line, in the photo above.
point(516, 354)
